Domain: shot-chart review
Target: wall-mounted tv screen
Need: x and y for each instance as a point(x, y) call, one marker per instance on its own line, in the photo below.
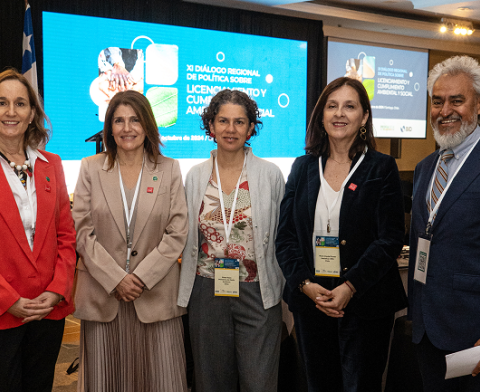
point(178, 69)
point(395, 80)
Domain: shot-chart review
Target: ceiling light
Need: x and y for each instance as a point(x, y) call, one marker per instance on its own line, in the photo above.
point(458, 27)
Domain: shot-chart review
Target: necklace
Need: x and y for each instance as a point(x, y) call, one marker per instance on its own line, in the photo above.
point(20, 170)
point(340, 163)
point(25, 167)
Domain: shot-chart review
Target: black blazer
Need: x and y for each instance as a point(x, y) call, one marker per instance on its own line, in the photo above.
point(371, 235)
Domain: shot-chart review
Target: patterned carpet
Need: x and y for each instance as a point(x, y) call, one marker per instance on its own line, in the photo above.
point(68, 352)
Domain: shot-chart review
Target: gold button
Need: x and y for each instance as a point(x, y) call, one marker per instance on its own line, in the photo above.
point(345, 269)
point(343, 242)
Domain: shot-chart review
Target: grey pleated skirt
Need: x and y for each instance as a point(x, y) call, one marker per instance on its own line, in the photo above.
point(126, 355)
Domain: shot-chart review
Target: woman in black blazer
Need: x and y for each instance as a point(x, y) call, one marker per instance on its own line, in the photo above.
point(337, 244)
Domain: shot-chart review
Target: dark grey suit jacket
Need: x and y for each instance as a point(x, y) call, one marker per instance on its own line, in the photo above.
point(448, 306)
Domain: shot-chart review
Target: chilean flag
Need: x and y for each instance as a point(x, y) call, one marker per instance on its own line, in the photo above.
point(29, 63)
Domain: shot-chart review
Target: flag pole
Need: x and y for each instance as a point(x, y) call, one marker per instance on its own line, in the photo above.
point(29, 62)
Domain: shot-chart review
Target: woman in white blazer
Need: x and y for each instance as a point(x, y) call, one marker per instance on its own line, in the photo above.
point(235, 322)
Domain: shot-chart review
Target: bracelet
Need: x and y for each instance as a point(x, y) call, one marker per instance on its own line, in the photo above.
point(304, 283)
point(349, 286)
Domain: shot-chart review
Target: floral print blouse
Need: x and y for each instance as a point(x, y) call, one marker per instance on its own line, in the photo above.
point(213, 244)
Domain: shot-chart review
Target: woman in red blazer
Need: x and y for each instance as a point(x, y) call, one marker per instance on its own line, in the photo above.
point(37, 258)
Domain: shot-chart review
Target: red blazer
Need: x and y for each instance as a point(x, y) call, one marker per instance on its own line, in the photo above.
point(51, 264)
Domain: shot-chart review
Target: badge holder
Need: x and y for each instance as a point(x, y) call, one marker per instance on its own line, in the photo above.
point(227, 276)
point(421, 260)
point(327, 254)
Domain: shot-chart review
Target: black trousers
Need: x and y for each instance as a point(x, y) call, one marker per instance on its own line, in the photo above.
point(432, 365)
point(348, 354)
point(28, 354)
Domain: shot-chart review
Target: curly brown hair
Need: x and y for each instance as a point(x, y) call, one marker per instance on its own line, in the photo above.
point(237, 98)
point(36, 133)
point(316, 140)
point(143, 110)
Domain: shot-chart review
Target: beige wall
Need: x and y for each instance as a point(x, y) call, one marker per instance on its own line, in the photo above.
point(412, 150)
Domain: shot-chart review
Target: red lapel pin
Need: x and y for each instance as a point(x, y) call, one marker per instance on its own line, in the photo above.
point(47, 188)
point(150, 189)
point(352, 186)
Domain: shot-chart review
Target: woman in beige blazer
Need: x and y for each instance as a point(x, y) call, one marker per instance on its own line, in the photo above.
point(128, 273)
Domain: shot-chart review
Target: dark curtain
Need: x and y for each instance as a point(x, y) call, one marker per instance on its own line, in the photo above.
point(165, 12)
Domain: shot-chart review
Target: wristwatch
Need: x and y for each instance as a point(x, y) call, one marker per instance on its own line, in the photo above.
point(304, 283)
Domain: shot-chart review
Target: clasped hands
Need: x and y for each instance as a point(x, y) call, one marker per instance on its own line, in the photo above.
point(331, 302)
point(129, 289)
point(36, 308)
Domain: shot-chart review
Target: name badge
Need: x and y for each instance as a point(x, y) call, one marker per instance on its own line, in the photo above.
point(421, 262)
point(227, 277)
point(327, 256)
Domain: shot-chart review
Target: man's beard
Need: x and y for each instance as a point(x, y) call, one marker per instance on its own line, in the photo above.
point(449, 140)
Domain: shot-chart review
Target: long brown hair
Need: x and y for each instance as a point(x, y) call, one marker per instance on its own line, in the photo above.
point(316, 140)
point(36, 133)
point(144, 112)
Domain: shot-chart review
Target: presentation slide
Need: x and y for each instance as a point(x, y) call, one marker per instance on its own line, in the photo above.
point(178, 69)
point(396, 82)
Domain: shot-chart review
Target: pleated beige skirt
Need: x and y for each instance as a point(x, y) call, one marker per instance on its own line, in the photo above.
point(127, 355)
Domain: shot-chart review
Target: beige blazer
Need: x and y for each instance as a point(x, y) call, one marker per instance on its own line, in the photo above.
point(159, 238)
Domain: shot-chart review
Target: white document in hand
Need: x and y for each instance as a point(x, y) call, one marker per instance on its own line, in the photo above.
point(462, 362)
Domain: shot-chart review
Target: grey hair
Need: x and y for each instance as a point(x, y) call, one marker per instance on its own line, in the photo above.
point(455, 66)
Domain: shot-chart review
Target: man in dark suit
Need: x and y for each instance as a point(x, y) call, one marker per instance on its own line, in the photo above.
point(444, 276)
